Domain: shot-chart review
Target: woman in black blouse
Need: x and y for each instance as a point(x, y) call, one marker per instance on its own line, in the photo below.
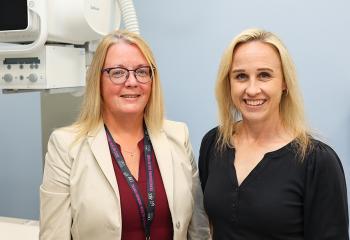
point(263, 175)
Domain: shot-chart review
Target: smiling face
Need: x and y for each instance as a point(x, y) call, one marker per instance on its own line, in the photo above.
point(131, 97)
point(256, 80)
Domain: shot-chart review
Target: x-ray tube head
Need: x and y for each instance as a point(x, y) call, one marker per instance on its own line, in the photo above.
point(80, 21)
point(71, 22)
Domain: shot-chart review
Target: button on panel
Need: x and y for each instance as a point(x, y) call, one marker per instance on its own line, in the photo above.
point(33, 77)
point(8, 77)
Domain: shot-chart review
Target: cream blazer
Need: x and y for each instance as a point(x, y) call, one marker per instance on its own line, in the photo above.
point(79, 196)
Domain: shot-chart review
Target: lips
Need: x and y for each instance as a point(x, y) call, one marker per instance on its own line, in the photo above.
point(254, 102)
point(130, 95)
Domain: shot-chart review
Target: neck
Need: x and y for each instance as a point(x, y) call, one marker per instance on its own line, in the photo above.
point(271, 130)
point(126, 128)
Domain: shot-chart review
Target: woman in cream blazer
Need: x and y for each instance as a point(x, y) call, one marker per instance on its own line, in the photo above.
point(80, 198)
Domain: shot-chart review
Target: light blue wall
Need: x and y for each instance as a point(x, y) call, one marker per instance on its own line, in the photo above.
point(20, 155)
point(188, 38)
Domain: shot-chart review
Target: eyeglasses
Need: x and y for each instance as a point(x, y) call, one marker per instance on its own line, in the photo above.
point(119, 75)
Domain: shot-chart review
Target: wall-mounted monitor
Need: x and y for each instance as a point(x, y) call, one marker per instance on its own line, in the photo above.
point(13, 15)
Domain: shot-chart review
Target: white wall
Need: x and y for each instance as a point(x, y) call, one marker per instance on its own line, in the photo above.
point(188, 38)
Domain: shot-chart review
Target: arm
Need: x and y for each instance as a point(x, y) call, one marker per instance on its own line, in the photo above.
point(325, 202)
point(199, 225)
point(55, 212)
point(207, 144)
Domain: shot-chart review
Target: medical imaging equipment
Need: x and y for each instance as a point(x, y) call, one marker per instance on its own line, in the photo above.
point(47, 44)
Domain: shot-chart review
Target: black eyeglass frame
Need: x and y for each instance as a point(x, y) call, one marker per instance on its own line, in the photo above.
point(151, 69)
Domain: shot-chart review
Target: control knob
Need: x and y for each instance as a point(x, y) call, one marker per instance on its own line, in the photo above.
point(33, 77)
point(8, 77)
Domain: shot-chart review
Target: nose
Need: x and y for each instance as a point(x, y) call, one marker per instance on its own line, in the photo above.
point(253, 88)
point(131, 81)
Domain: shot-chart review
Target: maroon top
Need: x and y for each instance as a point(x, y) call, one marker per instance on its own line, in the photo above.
point(132, 227)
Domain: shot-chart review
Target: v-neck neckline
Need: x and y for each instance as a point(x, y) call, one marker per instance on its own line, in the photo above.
point(257, 169)
point(141, 168)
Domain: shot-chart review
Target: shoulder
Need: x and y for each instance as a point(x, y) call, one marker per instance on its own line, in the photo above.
point(208, 145)
point(177, 136)
point(210, 137)
point(169, 125)
point(176, 130)
point(64, 138)
point(321, 157)
point(64, 134)
point(212, 133)
point(322, 151)
point(205, 152)
point(59, 149)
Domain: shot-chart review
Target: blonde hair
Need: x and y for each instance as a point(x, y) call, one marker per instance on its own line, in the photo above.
point(91, 109)
point(291, 105)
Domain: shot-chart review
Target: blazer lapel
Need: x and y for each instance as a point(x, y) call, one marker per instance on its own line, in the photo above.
point(165, 162)
point(100, 149)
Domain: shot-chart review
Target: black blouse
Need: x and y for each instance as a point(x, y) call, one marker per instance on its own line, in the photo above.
point(282, 197)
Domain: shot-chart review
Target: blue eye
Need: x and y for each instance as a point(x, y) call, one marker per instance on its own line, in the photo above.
point(117, 72)
point(264, 75)
point(143, 72)
point(241, 76)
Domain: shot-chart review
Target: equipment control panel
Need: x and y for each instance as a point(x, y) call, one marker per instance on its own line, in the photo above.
point(21, 71)
point(47, 68)
point(26, 69)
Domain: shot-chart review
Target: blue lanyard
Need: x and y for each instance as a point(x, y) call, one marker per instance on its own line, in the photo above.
point(145, 215)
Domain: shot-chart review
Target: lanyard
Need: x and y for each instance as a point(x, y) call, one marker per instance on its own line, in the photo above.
point(145, 215)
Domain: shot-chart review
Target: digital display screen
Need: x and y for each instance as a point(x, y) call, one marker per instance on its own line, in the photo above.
point(13, 15)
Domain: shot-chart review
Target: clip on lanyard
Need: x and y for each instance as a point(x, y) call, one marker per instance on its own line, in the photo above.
point(145, 215)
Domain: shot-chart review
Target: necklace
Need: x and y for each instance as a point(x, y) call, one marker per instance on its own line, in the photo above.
point(131, 153)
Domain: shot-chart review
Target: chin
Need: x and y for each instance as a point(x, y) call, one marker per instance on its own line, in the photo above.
point(134, 111)
point(253, 117)
point(131, 112)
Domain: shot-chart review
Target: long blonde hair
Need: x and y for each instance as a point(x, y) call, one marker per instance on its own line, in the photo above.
point(291, 105)
point(91, 111)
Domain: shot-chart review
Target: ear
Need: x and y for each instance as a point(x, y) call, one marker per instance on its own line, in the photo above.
point(284, 86)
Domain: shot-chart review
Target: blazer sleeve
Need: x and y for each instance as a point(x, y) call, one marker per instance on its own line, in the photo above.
point(199, 225)
point(325, 199)
point(55, 211)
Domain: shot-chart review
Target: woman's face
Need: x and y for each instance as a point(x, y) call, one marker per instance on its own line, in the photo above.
point(256, 80)
point(131, 97)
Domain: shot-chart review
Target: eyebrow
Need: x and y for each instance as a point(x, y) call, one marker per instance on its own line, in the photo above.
point(124, 66)
point(237, 71)
point(259, 69)
point(265, 69)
